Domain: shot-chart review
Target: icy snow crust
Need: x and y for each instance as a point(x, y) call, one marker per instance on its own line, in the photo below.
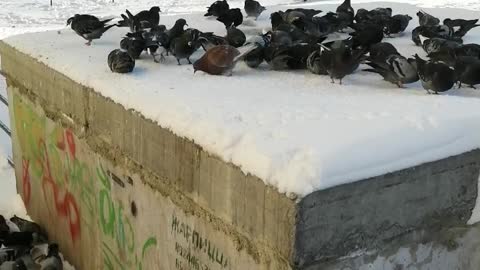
point(295, 130)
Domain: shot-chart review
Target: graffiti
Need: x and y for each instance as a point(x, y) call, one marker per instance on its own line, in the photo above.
point(200, 243)
point(26, 185)
point(78, 194)
point(117, 227)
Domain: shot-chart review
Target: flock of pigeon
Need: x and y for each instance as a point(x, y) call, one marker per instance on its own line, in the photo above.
point(20, 240)
point(297, 41)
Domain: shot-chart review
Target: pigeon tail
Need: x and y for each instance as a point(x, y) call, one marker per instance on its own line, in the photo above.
point(244, 50)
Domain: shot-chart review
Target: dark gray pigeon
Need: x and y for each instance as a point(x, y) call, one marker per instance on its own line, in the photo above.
point(120, 61)
point(235, 37)
point(460, 27)
point(467, 71)
point(426, 19)
point(88, 27)
point(217, 9)
point(253, 8)
point(185, 45)
point(435, 76)
point(395, 69)
point(142, 20)
point(397, 24)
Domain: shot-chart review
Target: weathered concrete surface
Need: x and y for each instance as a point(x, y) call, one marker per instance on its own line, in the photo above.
point(119, 189)
point(371, 213)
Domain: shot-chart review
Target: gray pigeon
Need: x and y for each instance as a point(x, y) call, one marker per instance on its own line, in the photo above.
point(253, 8)
point(426, 19)
point(120, 61)
point(88, 27)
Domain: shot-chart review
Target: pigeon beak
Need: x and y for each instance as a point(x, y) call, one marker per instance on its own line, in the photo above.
point(186, 24)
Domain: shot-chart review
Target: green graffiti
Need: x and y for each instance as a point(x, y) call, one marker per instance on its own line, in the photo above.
point(109, 223)
point(103, 177)
point(151, 242)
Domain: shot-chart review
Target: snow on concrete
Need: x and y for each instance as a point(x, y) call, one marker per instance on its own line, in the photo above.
point(295, 130)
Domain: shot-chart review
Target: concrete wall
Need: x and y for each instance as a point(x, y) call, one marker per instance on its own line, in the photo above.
point(68, 138)
point(118, 191)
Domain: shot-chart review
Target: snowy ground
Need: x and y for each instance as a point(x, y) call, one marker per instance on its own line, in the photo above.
point(294, 130)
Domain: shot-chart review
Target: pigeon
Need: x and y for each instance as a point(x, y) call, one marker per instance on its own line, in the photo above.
point(29, 226)
point(435, 76)
point(314, 63)
point(134, 44)
point(395, 69)
point(380, 51)
point(340, 60)
point(254, 58)
point(178, 29)
point(366, 35)
point(467, 71)
point(439, 31)
point(397, 24)
point(220, 60)
point(253, 8)
point(232, 16)
point(185, 45)
point(279, 38)
point(88, 27)
point(460, 27)
point(235, 36)
point(144, 19)
point(209, 40)
point(345, 11)
point(52, 261)
point(309, 13)
point(120, 61)
point(433, 45)
point(156, 42)
point(426, 19)
point(217, 9)
point(293, 57)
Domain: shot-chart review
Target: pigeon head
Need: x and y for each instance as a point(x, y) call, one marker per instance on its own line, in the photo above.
point(180, 23)
point(155, 9)
point(69, 21)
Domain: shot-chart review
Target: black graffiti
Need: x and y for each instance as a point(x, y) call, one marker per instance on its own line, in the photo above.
point(199, 242)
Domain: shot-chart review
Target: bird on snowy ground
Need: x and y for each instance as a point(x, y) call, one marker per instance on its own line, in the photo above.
point(435, 76)
point(220, 60)
point(346, 12)
point(395, 69)
point(425, 19)
point(380, 51)
point(233, 16)
point(397, 24)
point(218, 8)
point(145, 18)
point(185, 45)
point(120, 61)
point(433, 45)
point(340, 59)
point(366, 35)
point(467, 71)
point(134, 44)
point(254, 58)
point(89, 27)
point(460, 27)
point(235, 37)
point(253, 8)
